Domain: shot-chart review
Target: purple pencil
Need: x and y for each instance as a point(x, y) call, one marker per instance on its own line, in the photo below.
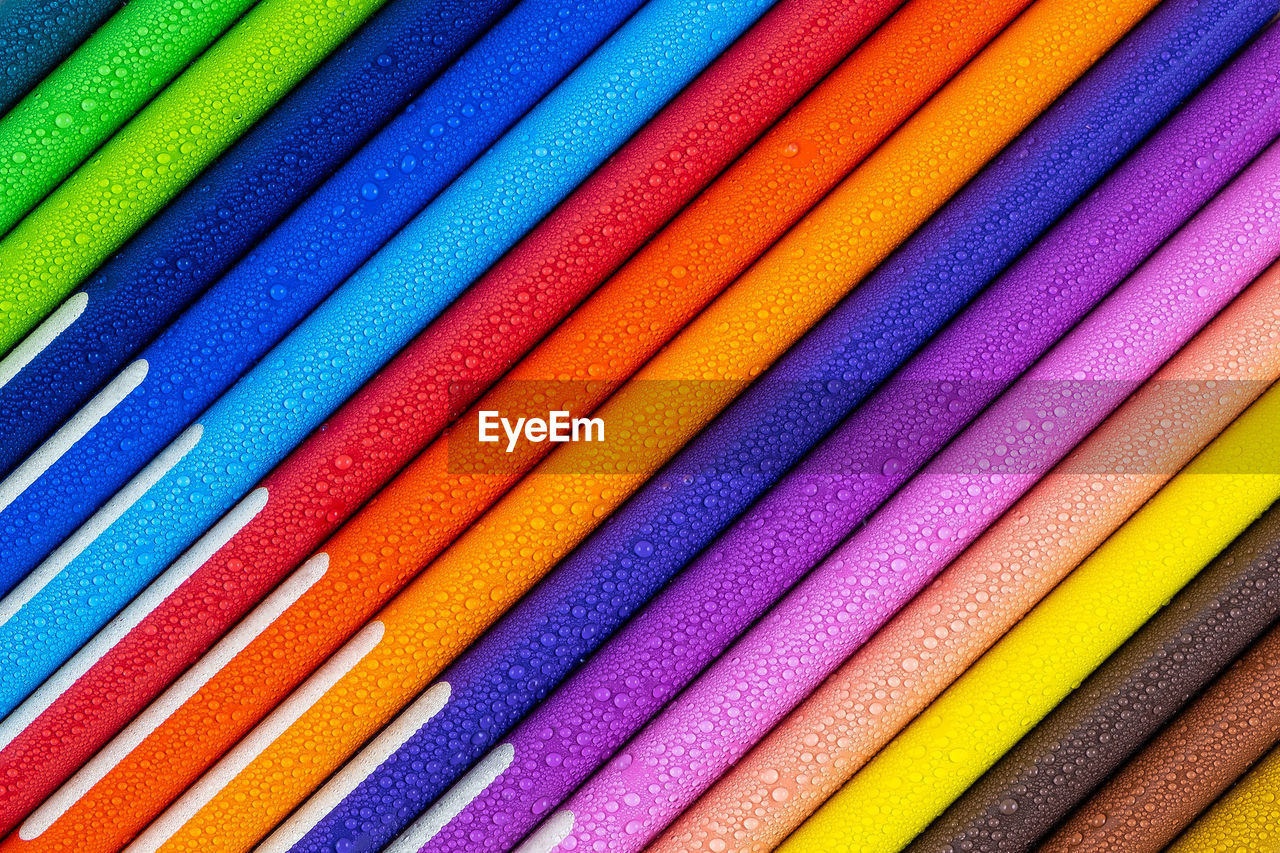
point(944, 387)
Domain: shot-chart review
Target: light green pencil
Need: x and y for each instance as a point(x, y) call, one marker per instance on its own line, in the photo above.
point(98, 88)
point(157, 153)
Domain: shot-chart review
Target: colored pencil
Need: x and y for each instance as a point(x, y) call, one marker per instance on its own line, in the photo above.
point(413, 646)
point(933, 640)
point(263, 675)
point(1245, 819)
point(926, 525)
point(213, 462)
point(366, 320)
point(47, 134)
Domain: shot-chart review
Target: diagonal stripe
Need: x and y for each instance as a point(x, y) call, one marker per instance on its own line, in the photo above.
point(44, 457)
point(244, 753)
point(43, 335)
point(455, 800)
point(357, 770)
point(98, 523)
point(546, 837)
point(141, 607)
point(173, 698)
